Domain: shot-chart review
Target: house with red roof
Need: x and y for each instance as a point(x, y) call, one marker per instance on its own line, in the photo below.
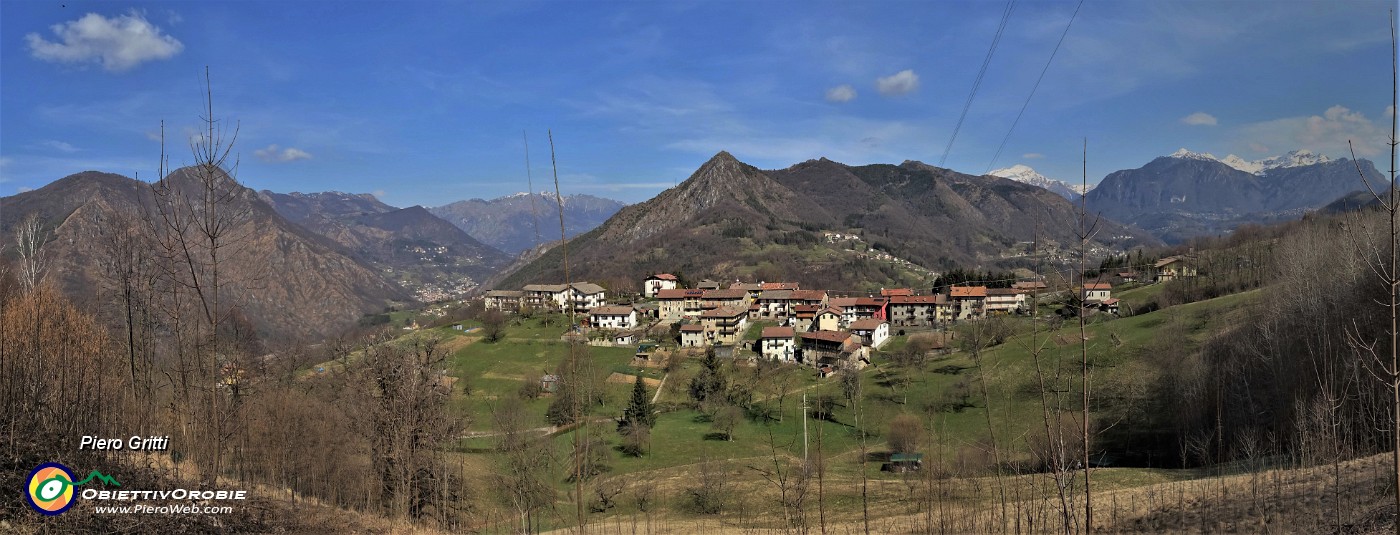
point(1096, 292)
point(658, 282)
point(969, 302)
point(918, 310)
point(831, 348)
point(677, 304)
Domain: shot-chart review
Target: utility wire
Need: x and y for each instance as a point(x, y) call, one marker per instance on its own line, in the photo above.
point(1034, 88)
point(977, 83)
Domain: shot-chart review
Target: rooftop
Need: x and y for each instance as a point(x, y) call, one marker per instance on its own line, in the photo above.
point(866, 324)
point(610, 311)
point(968, 291)
point(827, 336)
point(777, 332)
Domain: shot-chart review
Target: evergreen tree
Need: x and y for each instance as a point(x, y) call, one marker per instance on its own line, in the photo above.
point(639, 410)
point(710, 381)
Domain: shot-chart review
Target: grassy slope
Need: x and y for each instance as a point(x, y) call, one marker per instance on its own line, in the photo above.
point(683, 437)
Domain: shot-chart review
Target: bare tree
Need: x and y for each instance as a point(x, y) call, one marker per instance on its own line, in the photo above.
point(1387, 272)
point(30, 245)
point(407, 421)
point(905, 432)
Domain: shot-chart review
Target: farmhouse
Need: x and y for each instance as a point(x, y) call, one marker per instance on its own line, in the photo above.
point(1096, 292)
point(775, 343)
point(693, 335)
point(872, 332)
point(1172, 267)
point(830, 347)
point(658, 282)
point(606, 317)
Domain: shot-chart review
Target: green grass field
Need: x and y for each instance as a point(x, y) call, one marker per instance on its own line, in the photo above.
point(944, 392)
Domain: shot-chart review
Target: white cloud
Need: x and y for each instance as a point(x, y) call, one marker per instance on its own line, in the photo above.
point(898, 83)
point(841, 93)
point(1200, 118)
point(379, 194)
point(59, 146)
point(1328, 133)
point(1032, 156)
point(275, 154)
point(23, 189)
point(118, 43)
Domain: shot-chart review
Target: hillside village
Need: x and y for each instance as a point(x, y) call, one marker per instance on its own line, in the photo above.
point(827, 330)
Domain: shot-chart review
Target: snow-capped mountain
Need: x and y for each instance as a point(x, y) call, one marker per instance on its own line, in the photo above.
point(1297, 158)
point(1025, 175)
point(1189, 194)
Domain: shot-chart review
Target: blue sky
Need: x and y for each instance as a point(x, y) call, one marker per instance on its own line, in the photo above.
point(424, 102)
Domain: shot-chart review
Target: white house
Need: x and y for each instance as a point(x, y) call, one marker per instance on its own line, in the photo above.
point(1172, 267)
point(1005, 301)
point(583, 296)
point(586, 295)
point(776, 343)
point(872, 332)
point(693, 335)
point(621, 317)
point(658, 282)
point(1097, 292)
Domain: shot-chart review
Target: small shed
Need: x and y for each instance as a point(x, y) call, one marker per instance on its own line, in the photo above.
point(550, 383)
point(904, 462)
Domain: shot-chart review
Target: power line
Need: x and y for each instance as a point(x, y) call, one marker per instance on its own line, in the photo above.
point(977, 83)
point(1034, 88)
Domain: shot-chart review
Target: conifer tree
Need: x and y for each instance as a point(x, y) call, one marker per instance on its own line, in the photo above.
point(639, 410)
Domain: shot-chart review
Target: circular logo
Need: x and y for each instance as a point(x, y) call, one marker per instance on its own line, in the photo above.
point(50, 488)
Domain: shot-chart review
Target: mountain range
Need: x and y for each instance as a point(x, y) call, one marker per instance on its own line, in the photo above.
point(409, 242)
point(1189, 194)
point(519, 222)
point(289, 282)
point(732, 220)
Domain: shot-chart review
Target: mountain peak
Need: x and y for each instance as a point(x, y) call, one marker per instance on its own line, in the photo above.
point(1297, 158)
point(723, 156)
point(1184, 154)
point(1026, 175)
